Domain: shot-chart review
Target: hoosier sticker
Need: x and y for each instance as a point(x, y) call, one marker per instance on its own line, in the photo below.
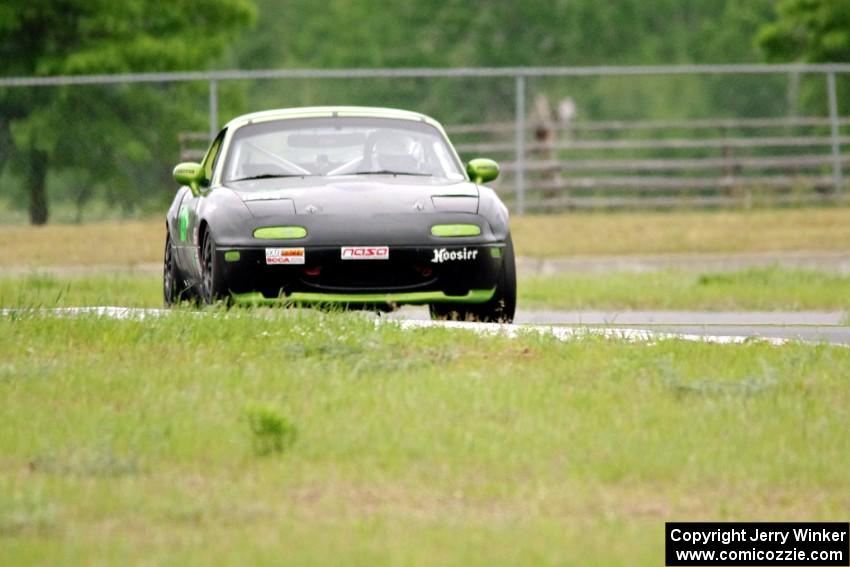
point(442, 255)
point(284, 255)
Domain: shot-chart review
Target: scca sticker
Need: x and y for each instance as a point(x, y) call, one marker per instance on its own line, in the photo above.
point(284, 255)
point(365, 253)
point(442, 255)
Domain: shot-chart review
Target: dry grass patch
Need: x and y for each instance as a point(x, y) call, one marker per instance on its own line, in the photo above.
point(570, 234)
point(126, 243)
point(131, 243)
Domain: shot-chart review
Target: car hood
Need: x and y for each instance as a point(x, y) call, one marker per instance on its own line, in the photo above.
point(356, 195)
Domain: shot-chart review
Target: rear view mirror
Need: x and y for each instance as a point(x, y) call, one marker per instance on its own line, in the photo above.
point(191, 174)
point(482, 170)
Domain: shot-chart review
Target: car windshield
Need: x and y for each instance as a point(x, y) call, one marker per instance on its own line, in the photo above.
point(339, 146)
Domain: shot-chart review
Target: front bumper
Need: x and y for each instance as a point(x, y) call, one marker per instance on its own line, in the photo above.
point(410, 275)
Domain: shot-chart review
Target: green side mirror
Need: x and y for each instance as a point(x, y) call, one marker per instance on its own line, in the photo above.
point(482, 170)
point(191, 174)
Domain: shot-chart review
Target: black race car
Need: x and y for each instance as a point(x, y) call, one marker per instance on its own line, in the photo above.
point(356, 206)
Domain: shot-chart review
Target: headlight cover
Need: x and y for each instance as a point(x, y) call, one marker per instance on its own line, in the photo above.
point(453, 230)
point(280, 232)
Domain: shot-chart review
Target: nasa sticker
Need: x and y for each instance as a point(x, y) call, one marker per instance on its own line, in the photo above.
point(365, 252)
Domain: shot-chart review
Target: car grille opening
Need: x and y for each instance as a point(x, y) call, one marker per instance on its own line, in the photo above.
point(376, 275)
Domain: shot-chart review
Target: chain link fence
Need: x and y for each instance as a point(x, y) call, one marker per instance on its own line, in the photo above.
point(567, 138)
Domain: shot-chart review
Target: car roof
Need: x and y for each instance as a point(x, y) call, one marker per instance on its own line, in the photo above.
point(329, 111)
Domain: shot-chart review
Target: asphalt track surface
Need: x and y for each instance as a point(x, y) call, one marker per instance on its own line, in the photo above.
point(647, 326)
point(821, 261)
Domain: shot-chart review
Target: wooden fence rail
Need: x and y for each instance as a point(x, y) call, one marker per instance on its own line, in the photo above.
point(694, 124)
point(670, 163)
point(783, 162)
point(662, 143)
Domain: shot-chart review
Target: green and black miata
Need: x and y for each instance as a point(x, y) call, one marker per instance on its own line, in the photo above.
point(364, 207)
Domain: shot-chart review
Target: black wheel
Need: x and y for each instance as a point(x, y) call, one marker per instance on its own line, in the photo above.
point(213, 289)
point(500, 308)
point(174, 289)
point(170, 278)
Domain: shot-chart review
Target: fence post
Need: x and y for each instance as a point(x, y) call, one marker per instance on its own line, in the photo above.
point(793, 93)
point(519, 176)
point(213, 109)
point(837, 173)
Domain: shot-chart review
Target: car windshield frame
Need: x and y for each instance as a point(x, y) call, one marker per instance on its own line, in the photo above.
point(440, 162)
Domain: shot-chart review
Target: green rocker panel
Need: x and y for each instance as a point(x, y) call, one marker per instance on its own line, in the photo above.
point(416, 297)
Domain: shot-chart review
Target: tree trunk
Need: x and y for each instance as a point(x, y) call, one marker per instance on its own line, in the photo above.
point(36, 181)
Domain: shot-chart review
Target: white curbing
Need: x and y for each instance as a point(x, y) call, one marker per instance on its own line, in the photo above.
point(572, 333)
point(509, 330)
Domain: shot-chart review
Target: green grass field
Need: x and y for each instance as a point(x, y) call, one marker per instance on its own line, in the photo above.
point(757, 289)
point(268, 437)
point(272, 436)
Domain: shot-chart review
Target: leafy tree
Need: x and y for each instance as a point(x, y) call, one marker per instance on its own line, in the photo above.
point(815, 31)
point(102, 131)
point(811, 31)
point(440, 33)
point(117, 141)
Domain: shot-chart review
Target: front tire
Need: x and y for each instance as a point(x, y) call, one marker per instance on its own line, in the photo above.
point(213, 288)
point(499, 309)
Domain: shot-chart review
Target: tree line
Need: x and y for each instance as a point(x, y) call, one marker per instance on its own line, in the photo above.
point(117, 143)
